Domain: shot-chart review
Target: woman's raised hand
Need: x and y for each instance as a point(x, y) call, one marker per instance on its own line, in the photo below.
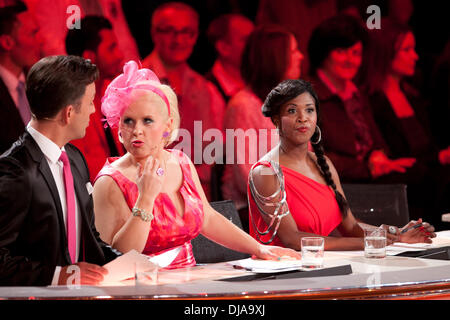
point(148, 181)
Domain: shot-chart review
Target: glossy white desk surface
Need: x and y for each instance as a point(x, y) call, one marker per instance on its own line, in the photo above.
point(369, 276)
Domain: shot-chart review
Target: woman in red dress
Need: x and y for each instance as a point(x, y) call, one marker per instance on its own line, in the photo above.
point(151, 199)
point(314, 200)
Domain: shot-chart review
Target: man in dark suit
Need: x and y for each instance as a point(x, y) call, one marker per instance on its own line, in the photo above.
point(46, 211)
point(19, 50)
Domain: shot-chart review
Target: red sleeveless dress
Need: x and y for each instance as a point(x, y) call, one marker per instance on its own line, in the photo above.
point(312, 205)
point(168, 229)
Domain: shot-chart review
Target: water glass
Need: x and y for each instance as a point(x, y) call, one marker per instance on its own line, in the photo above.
point(312, 252)
point(375, 243)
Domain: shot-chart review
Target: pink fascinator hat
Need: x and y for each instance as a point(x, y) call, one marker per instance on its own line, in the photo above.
point(117, 96)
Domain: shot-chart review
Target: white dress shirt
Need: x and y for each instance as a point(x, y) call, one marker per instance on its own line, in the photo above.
point(52, 153)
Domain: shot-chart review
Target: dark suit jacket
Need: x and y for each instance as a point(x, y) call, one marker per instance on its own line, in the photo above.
point(339, 136)
point(11, 123)
point(32, 233)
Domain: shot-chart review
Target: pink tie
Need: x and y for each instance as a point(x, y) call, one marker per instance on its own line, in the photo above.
point(70, 201)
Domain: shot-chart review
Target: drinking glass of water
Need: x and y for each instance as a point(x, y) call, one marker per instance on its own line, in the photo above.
point(312, 252)
point(375, 243)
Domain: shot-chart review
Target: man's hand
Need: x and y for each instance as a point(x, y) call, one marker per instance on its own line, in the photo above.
point(82, 273)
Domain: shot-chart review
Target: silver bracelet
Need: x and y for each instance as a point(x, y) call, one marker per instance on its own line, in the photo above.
point(145, 216)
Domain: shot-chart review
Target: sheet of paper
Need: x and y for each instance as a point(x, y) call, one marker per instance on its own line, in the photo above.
point(164, 259)
point(443, 234)
point(126, 266)
point(411, 246)
point(442, 239)
point(267, 266)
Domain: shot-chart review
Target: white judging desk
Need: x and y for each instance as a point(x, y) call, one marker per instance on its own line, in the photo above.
point(393, 277)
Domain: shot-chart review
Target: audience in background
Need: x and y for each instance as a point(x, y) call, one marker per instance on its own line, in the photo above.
point(351, 137)
point(19, 50)
point(400, 11)
point(228, 33)
point(55, 17)
point(401, 113)
point(300, 17)
point(96, 41)
point(174, 32)
point(270, 55)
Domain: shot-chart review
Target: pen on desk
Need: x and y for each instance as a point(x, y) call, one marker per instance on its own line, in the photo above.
point(410, 228)
point(241, 268)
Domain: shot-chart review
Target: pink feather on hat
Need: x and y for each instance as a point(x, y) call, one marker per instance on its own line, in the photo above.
point(117, 96)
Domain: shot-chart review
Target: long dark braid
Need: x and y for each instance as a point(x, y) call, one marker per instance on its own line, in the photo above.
point(325, 171)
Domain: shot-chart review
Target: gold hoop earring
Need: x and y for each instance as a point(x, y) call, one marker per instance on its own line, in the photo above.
point(320, 136)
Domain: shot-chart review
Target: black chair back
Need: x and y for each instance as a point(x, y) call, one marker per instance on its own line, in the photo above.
point(207, 251)
point(377, 204)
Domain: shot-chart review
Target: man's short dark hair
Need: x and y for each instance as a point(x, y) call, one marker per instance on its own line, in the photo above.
point(8, 16)
point(88, 36)
point(265, 58)
point(55, 82)
point(219, 28)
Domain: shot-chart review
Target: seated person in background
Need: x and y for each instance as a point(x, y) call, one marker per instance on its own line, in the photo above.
point(174, 32)
point(270, 56)
point(351, 137)
point(314, 197)
point(401, 112)
point(439, 112)
point(228, 33)
point(20, 45)
point(151, 199)
point(96, 41)
point(47, 218)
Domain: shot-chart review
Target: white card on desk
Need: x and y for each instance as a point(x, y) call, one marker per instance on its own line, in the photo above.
point(126, 266)
point(164, 259)
point(267, 266)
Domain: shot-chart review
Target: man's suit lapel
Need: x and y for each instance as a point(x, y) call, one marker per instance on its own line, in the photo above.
point(44, 169)
point(39, 157)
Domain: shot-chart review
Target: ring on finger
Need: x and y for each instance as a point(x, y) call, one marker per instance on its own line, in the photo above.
point(160, 171)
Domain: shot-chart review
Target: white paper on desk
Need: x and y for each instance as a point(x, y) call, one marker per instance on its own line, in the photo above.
point(443, 234)
point(126, 266)
point(267, 266)
point(164, 259)
point(442, 239)
point(411, 246)
point(394, 250)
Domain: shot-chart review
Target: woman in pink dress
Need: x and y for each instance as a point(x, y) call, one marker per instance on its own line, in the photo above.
point(151, 199)
point(303, 186)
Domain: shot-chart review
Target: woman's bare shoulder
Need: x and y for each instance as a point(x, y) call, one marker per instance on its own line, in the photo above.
point(265, 180)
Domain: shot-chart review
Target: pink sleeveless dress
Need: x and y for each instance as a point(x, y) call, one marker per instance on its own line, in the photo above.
point(168, 229)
